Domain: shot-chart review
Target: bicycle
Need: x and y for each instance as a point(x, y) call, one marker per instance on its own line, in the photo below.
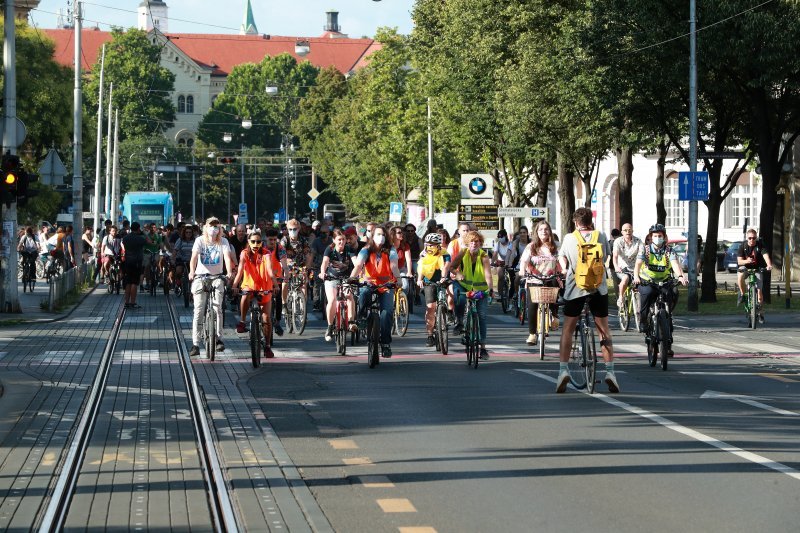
point(582, 363)
point(752, 308)
point(167, 272)
point(401, 309)
point(441, 330)
point(342, 318)
point(296, 310)
point(472, 327)
point(659, 325)
point(152, 272)
point(544, 296)
point(53, 266)
point(210, 315)
point(258, 340)
point(28, 270)
point(113, 275)
point(630, 306)
point(521, 301)
point(373, 329)
point(504, 285)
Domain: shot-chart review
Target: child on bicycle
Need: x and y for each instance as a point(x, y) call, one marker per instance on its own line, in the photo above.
point(540, 258)
point(475, 275)
point(255, 274)
point(433, 266)
point(337, 263)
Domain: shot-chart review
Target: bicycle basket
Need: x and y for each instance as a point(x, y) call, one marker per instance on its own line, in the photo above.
point(543, 295)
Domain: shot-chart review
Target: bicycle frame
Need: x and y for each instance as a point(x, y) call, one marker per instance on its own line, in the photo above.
point(210, 313)
point(659, 326)
point(472, 324)
point(752, 307)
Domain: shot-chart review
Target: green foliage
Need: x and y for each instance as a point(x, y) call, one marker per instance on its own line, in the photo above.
point(142, 87)
point(44, 205)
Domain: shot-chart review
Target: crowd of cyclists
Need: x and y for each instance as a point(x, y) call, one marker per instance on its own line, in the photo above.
point(258, 261)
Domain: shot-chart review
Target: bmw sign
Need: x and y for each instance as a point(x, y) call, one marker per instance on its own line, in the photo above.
point(477, 187)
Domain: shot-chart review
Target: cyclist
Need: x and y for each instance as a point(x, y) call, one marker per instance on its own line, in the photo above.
point(183, 251)
point(298, 254)
point(378, 262)
point(255, 274)
point(403, 258)
point(110, 247)
point(278, 256)
point(626, 250)
point(501, 249)
point(29, 248)
point(516, 248)
point(151, 252)
point(657, 262)
point(238, 240)
point(337, 262)
point(433, 265)
point(540, 257)
point(209, 252)
point(475, 274)
point(752, 256)
point(575, 298)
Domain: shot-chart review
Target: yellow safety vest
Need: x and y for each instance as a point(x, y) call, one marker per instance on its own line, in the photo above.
point(474, 278)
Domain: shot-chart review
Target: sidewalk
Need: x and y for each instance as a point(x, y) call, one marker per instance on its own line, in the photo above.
point(32, 307)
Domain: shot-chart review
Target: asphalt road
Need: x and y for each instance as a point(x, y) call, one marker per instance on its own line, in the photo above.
point(423, 441)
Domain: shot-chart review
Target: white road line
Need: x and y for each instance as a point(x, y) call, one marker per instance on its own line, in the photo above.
point(683, 430)
point(749, 400)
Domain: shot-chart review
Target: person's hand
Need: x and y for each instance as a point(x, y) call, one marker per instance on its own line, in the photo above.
point(191, 276)
point(769, 267)
point(684, 281)
point(420, 284)
point(636, 280)
point(618, 271)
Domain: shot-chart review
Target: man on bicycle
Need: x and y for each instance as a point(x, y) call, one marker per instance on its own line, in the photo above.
point(626, 251)
point(576, 296)
point(753, 256)
point(298, 254)
point(278, 257)
point(209, 252)
point(255, 274)
point(475, 274)
point(433, 266)
point(110, 248)
point(656, 263)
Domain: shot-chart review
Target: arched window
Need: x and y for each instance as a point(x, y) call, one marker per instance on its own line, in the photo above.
point(190, 104)
point(181, 142)
point(181, 104)
point(190, 142)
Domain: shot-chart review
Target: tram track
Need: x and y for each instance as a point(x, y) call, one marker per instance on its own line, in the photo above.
point(217, 488)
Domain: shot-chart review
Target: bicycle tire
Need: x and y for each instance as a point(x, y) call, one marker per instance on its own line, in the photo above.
point(373, 338)
point(591, 359)
point(575, 365)
point(441, 330)
point(473, 338)
point(522, 306)
point(543, 326)
point(401, 314)
point(210, 329)
point(624, 315)
point(300, 315)
point(165, 281)
point(465, 338)
point(341, 329)
point(664, 333)
point(255, 338)
point(753, 297)
point(504, 300)
point(633, 309)
point(39, 269)
point(652, 347)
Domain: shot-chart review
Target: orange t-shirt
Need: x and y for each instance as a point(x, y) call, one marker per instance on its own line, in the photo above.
point(255, 276)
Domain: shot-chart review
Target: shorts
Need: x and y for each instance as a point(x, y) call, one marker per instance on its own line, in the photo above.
point(263, 299)
point(431, 293)
point(598, 305)
point(759, 277)
point(131, 272)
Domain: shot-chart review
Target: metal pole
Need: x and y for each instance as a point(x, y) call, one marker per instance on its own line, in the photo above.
point(692, 238)
point(229, 195)
point(194, 193)
point(109, 192)
point(255, 195)
point(77, 170)
point(115, 170)
point(430, 164)
point(10, 287)
point(178, 187)
point(202, 197)
point(99, 151)
point(242, 200)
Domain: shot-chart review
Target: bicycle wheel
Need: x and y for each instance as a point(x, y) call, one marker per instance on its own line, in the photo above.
point(590, 358)
point(211, 329)
point(753, 297)
point(504, 300)
point(652, 347)
point(299, 315)
point(373, 338)
point(341, 329)
point(664, 334)
point(633, 309)
point(255, 338)
point(185, 289)
point(624, 316)
point(473, 338)
point(575, 364)
point(165, 281)
point(441, 330)
point(542, 327)
point(523, 306)
point(401, 314)
point(39, 269)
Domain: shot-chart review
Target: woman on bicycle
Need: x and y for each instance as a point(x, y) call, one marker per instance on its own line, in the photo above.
point(540, 258)
point(433, 266)
point(255, 274)
point(657, 262)
point(111, 247)
point(278, 255)
point(378, 263)
point(403, 258)
point(337, 262)
point(514, 255)
point(475, 275)
point(183, 252)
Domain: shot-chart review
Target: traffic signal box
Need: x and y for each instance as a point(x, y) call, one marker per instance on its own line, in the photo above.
point(14, 181)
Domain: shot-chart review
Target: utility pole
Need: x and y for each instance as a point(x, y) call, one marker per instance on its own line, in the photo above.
point(194, 193)
point(99, 152)
point(115, 170)
point(109, 192)
point(77, 170)
point(691, 249)
point(10, 143)
point(430, 164)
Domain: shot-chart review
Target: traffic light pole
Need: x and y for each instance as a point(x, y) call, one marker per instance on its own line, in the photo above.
point(10, 300)
point(77, 167)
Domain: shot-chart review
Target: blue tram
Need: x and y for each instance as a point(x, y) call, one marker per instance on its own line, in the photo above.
point(147, 207)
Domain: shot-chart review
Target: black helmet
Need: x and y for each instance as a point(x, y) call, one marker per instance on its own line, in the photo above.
point(658, 228)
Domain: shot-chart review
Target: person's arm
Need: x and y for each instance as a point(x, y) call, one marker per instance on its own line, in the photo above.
point(741, 259)
point(456, 262)
point(676, 267)
point(193, 261)
point(409, 265)
point(239, 273)
point(768, 261)
point(326, 261)
point(358, 265)
point(636, 269)
point(393, 264)
point(615, 259)
point(229, 263)
point(446, 267)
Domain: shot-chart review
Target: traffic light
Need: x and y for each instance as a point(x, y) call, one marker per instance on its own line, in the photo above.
point(10, 178)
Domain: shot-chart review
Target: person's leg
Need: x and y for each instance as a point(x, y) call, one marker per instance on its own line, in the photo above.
point(285, 290)
point(330, 290)
point(244, 305)
point(483, 308)
point(198, 317)
point(218, 296)
point(430, 308)
point(623, 284)
point(567, 331)
point(604, 332)
point(760, 287)
point(363, 301)
point(533, 316)
point(266, 314)
point(387, 311)
point(740, 282)
point(460, 299)
point(647, 296)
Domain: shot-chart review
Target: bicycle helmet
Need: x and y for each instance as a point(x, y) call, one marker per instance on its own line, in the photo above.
point(433, 238)
point(658, 228)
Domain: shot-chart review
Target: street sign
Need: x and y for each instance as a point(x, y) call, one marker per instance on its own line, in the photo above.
point(282, 214)
point(313, 193)
point(313, 204)
point(395, 212)
point(22, 131)
point(482, 217)
point(477, 188)
point(52, 171)
point(522, 212)
point(721, 155)
point(693, 187)
point(243, 214)
point(276, 218)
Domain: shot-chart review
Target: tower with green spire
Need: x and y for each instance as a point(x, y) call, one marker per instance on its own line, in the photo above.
point(248, 27)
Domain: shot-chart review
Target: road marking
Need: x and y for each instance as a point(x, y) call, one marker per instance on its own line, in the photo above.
point(422, 529)
point(49, 459)
point(749, 400)
point(376, 482)
point(343, 444)
point(683, 430)
point(397, 505)
point(358, 461)
point(780, 377)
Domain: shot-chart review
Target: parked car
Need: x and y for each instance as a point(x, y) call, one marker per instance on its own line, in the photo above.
point(729, 262)
point(679, 245)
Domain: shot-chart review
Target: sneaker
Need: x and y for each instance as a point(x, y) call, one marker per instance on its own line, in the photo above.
point(194, 351)
point(386, 351)
point(532, 339)
point(268, 353)
point(761, 318)
point(329, 334)
point(484, 355)
point(458, 329)
point(739, 299)
point(220, 345)
point(562, 382)
point(241, 328)
point(352, 326)
point(611, 381)
point(278, 329)
point(430, 342)
point(554, 323)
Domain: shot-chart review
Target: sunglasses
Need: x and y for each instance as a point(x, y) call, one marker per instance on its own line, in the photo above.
point(255, 242)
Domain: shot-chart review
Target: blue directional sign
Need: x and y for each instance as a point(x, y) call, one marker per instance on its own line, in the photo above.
point(313, 204)
point(282, 214)
point(395, 211)
point(693, 186)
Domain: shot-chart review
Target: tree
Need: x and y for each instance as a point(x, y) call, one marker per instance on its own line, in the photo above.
point(142, 87)
point(44, 204)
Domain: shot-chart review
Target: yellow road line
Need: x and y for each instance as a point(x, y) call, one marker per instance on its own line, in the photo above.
point(358, 461)
point(419, 529)
point(397, 505)
point(343, 444)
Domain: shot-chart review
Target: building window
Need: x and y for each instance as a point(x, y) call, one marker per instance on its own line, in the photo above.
point(743, 206)
point(190, 142)
point(676, 210)
point(190, 104)
point(181, 104)
point(181, 142)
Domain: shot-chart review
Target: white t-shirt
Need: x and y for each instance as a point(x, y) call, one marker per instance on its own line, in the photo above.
point(569, 250)
point(211, 257)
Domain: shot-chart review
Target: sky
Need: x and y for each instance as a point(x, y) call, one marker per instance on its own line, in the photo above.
point(299, 18)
